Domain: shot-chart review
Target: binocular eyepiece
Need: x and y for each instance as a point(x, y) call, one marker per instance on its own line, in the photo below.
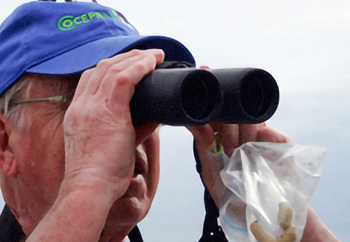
point(190, 96)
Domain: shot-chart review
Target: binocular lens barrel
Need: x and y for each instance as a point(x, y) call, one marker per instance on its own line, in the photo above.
point(249, 95)
point(176, 97)
point(200, 92)
point(189, 96)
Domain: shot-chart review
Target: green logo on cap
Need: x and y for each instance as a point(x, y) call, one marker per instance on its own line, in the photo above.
point(69, 22)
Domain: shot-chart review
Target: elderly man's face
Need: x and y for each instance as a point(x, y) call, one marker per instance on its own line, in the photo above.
point(38, 148)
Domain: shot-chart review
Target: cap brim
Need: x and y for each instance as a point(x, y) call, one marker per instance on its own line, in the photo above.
point(87, 56)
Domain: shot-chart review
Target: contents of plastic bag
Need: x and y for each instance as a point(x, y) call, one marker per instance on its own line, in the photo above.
point(267, 188)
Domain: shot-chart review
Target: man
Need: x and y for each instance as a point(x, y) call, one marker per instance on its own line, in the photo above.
point(75, 167)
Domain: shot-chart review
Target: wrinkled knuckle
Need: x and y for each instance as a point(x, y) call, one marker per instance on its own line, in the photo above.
point(152, 59)
point(115, 69)
point(72, 114)
point(74, 118)
point(141, 67)
point(122, 79)
point(103, 64)
point(86, 74)
point(135, 52)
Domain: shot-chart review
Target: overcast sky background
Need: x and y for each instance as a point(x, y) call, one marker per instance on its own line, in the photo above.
point(305, 45)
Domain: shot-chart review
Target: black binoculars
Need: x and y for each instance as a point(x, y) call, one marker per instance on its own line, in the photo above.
point(190, 96)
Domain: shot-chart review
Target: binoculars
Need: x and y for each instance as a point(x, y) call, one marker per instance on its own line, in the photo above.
point(190, 96)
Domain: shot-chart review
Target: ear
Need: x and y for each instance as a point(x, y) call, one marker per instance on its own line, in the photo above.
point(8, 164)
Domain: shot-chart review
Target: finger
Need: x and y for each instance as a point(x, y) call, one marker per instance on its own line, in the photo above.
point(211, 165)
point(92, 81)
point(204, 140)
point(119, 62)
point(120, 85)
point(248, 132)
point(141, 63)
point(82, 83)
point(203, 136)
point(88, 82)
point(271, 135)
point(228, 134)
point(204, 67)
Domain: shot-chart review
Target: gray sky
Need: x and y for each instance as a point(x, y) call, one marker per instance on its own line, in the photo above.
point(303, 44)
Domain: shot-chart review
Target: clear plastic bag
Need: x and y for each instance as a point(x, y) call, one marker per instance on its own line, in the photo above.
point(265, 181)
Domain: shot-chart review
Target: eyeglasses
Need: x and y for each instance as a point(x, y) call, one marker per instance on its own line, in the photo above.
point(61, 98)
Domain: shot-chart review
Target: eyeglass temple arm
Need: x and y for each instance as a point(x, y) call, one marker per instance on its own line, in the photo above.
point(63, 98)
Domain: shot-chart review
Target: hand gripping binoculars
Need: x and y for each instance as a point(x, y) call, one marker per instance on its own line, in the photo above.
point(190, 96)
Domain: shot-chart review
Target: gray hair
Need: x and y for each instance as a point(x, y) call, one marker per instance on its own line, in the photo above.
point(21, 89)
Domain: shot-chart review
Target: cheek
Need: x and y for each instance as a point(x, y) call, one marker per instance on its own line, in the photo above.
point(54, 167)
point(43, 161)
point(54, 159)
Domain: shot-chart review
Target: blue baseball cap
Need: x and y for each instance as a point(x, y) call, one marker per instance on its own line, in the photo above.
point(64, 38)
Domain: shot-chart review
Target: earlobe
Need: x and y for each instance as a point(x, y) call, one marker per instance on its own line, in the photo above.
point(8, 164)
